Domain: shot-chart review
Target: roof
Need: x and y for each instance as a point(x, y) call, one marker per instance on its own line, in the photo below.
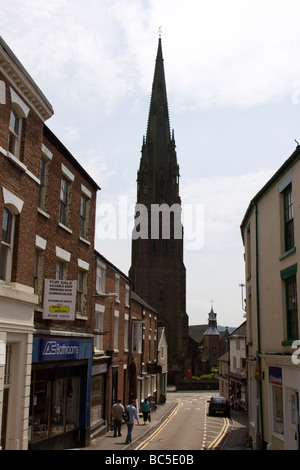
point(109, 263)
point(25, 77)
point(240, 330)
point(225, 357)
point(59, 145)
point(212, 330)
point(139, 300)
point(160, 336)
point(196, 332)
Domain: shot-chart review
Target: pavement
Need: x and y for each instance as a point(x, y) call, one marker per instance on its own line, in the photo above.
point(109, 442)
point(236, 437)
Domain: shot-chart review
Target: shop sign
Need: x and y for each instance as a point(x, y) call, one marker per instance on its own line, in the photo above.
point(58, 349)
point(275, 375)
point(59, 299)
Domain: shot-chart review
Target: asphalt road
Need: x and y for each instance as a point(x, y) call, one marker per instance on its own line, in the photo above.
point(190, 427)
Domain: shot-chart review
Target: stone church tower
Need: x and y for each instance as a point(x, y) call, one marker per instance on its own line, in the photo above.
point(157, 267)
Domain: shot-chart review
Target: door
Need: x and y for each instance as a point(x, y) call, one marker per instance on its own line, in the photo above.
point(4, 417)
point(293, 421)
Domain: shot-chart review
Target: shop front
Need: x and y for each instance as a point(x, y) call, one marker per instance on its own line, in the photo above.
point(98, 395)
point(59, 416)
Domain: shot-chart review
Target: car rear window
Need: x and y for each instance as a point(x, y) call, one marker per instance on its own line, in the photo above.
point(219, 400)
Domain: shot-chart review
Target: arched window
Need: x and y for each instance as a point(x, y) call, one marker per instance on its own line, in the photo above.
point(15, 132)
point(6, 245)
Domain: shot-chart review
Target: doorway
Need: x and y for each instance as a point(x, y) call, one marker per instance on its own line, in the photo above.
point(292, 441)
point(4, 417)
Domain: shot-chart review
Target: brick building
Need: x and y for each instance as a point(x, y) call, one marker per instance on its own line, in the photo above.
point(63, 336)
point(143, 366)
point(47, 209)
point(111, 326)
point(67, 345)
point(23, 110)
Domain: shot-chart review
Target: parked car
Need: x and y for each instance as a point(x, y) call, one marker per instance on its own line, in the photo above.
point(219, 406)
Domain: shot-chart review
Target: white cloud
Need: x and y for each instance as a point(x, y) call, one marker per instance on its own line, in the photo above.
point(216, 53)
point(225, 201)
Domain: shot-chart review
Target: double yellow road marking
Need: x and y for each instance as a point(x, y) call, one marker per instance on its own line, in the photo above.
point(220, 436)
point(211, 446)
point(160, 428)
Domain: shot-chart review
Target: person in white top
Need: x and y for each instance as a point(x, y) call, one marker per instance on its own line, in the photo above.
point(116, 412)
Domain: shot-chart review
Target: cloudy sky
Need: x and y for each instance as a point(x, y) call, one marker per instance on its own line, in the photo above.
point(233, 81)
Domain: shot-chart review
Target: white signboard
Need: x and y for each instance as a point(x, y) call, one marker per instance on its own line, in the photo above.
point(59, 300)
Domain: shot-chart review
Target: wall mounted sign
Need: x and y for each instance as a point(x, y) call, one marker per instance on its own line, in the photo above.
point(59, 299)
point(58, 349)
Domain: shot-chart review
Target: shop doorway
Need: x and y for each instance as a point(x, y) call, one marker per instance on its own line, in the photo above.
point(4, 417)
point(292, 441)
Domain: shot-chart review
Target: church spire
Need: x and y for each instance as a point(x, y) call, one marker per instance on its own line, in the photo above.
point(158, 175)
point(158, 129)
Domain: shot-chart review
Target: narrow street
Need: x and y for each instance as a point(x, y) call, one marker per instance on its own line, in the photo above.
point(189, 428)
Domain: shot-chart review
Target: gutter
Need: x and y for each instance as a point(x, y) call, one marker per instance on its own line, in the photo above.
point(258, 358)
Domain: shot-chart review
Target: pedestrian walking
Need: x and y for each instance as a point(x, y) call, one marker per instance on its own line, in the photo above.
point(145, 409)
point(132, 415)
point(117, 411)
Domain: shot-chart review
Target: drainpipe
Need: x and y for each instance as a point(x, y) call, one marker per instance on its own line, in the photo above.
point(258, 355)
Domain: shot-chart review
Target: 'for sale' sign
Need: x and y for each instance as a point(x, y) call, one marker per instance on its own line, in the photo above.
point(59, 300)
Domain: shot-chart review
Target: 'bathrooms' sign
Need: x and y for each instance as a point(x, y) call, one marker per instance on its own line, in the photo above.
point(58, 349)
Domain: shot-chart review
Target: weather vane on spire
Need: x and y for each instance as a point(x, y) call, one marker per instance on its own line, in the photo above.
point(160, 31)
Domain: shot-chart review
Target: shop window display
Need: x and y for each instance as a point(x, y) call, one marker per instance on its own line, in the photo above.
point(54, 407)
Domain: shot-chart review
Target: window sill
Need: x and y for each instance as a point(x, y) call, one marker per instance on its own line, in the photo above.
point(84, 240)
point(287, 253)
point(19, 164)
point(42, 212)
point(288, 342)
point(79, 316)
point(64, 227)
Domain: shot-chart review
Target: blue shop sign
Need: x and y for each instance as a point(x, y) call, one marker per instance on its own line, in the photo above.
point(275, 375)
point(58, 349)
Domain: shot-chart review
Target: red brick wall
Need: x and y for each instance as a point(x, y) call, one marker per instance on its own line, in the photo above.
point(14, 179)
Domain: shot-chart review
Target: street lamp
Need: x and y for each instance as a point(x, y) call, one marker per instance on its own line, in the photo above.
point(243, 301)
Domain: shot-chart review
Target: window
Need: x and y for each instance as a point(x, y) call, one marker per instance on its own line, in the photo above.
point(15, 131)
point(61, 270)
point(126, 331)
point(86, 196)
point(6, 247)
point(54, 405)
point(117, 286)
point(99, 322)
point(100, 277)
point(44, 178)
point(137, 334)
point(277, 409)
point(288, 218)
point(81, 292)
point(64, 201)
point(38, 273)
point(83, 217)
point(127, 295)
point(292, 308)
point(116, 330)
point(248, 252)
